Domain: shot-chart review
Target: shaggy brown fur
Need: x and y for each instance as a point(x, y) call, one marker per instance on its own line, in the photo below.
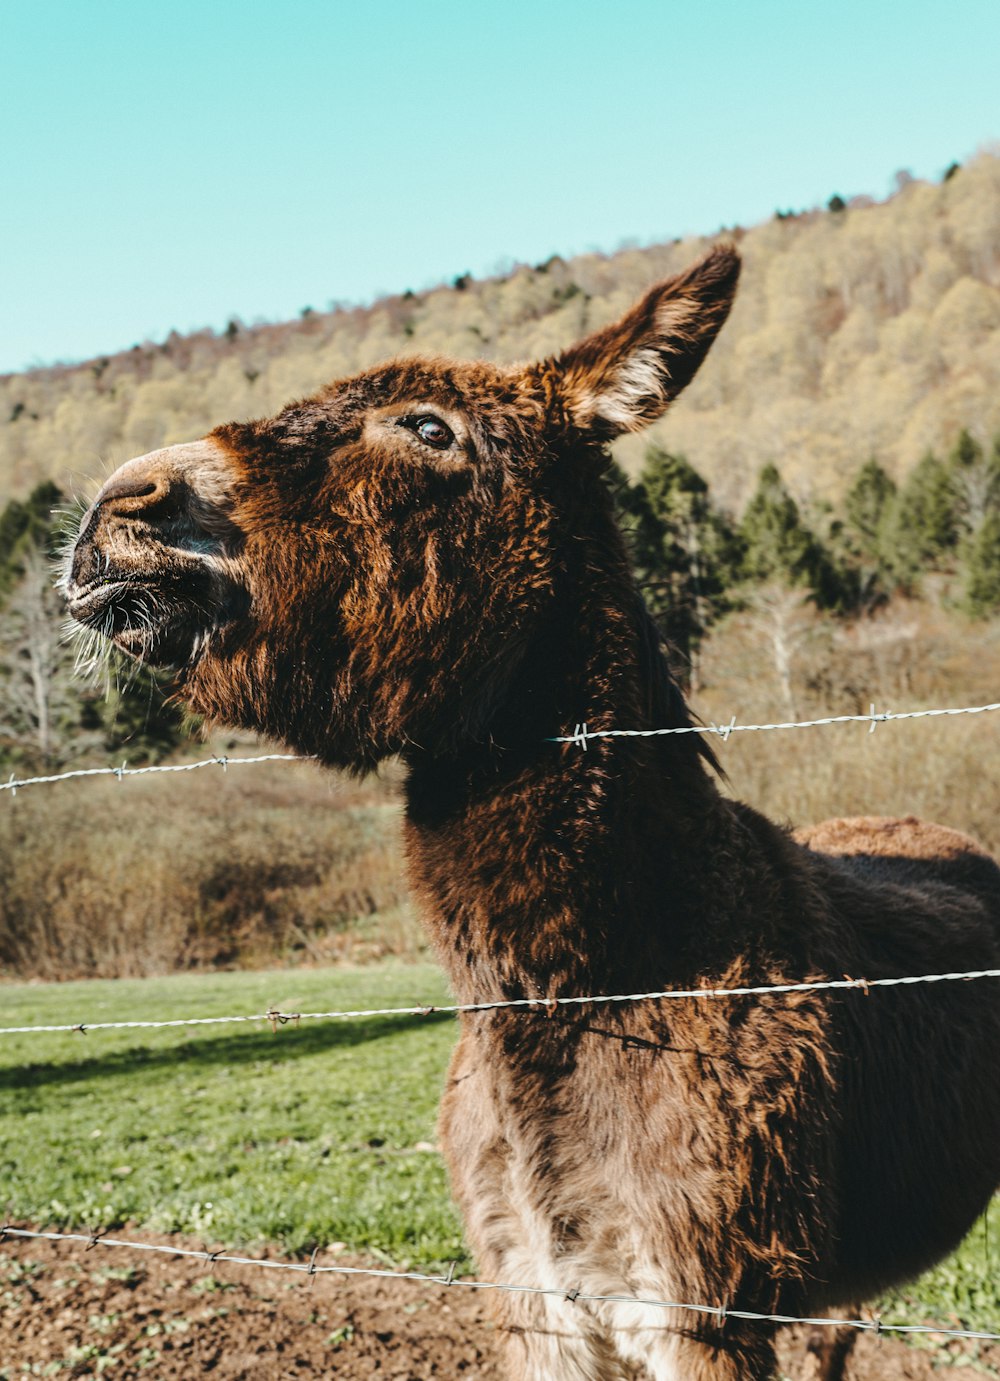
point(422, 560)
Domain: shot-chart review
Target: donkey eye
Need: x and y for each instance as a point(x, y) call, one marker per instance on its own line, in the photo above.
point(432, 431)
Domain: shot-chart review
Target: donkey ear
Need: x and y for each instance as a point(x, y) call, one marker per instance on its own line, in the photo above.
point(622, 377)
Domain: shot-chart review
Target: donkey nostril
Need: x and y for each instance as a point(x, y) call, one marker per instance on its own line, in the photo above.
point(133, 494)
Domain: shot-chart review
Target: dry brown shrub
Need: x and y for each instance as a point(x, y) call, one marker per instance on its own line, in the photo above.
point(263, 863)
point(914, 656)
point(285, 863)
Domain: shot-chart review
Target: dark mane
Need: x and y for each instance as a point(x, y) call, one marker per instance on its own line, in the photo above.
point(666, 705)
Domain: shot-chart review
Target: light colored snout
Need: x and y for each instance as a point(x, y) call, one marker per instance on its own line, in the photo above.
point(151, 566)
point(168, 507)
point(198, 468)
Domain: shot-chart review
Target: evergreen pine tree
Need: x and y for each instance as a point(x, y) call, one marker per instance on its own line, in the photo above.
point(779, 547)
point(966, 452)
point(982, 569)
point(867, 505)
point(13, 521)
point(922, 530)
point(865, 534)
point(682, 550)
point(27, 526)
point(976, 478)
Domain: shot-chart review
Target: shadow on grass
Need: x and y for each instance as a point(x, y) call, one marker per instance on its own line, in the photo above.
point(289, 1042)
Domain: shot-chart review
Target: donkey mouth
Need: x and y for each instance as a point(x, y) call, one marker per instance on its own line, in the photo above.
point(89, 604)
point(153, 621)
point(113, 601)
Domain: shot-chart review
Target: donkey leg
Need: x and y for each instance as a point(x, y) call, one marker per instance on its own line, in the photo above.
point(737, 1354)
point(829, 1350)
point(541, 1342)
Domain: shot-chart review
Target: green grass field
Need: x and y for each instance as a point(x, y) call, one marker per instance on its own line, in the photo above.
point(320, 1133)
point(317, 1134)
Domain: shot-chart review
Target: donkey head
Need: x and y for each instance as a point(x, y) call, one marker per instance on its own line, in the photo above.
point(369, 569)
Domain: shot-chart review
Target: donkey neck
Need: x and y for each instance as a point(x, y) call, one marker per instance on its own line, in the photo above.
point(544, 868)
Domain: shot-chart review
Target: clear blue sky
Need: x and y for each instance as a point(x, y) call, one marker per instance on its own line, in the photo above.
point(171, 164)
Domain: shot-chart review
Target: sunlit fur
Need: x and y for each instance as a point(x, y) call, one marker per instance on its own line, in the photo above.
point(326, 577)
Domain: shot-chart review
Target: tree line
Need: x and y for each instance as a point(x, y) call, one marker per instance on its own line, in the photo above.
point(936, 534)
point(867, 327)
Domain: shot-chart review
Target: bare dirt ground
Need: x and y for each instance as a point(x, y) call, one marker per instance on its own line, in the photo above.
point(66, 1310)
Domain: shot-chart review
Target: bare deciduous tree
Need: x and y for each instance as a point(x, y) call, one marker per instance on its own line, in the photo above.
point(40, 706)
point(784, 621)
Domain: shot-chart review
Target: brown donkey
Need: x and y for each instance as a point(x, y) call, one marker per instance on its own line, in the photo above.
point(423, 561)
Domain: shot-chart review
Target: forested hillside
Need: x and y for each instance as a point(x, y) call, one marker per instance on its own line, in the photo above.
point(816, 527)
point(860, 330)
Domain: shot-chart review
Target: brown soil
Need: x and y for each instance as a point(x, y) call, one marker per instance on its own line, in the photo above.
point(71, 1311)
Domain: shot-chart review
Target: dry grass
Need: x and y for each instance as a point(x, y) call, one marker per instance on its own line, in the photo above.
point(274, 862)
point(285, 864)
point(914, 657)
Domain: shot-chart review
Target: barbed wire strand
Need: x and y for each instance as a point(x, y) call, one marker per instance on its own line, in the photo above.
point(581, 735)
point(549, 1004)
point(16, 784)
point(98, 1239)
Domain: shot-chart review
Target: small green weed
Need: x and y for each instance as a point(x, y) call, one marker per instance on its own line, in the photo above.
point(209, 1285)
point(127, 1275)
point(15, 1271)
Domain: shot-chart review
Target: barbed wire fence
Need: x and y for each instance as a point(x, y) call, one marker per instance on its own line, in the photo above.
point(581, 736)
point(549, 1005)
point(718, 1312)
point(15, 784)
